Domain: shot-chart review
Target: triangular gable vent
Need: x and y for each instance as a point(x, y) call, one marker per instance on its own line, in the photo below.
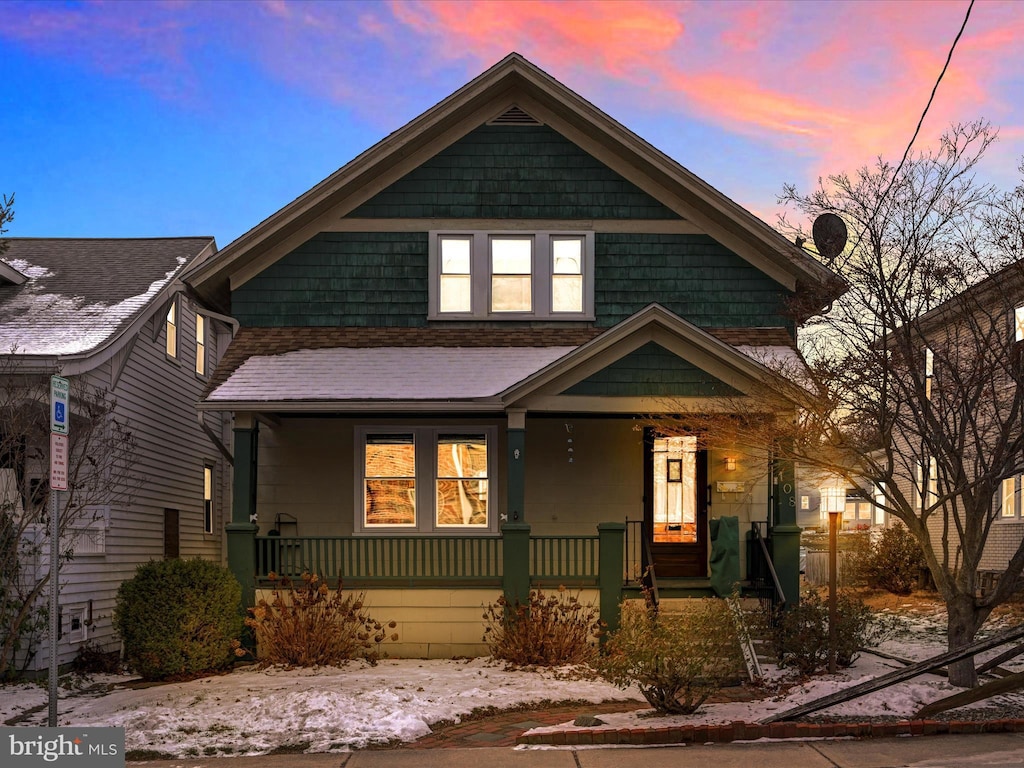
point(515, 116)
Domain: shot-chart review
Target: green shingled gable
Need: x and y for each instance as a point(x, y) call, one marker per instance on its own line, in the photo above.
point(652, 371)
point(691, 275)
point(341, 279)
point(522, 172)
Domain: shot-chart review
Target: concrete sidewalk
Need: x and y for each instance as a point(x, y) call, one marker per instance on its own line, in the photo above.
point(948, 751)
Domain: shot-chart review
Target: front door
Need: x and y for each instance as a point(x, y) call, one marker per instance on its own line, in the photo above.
point(676, 504)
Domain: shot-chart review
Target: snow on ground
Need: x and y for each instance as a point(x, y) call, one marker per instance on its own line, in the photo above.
point(251, 711)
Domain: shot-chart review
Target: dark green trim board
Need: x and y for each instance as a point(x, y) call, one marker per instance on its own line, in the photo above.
point(691, 275)
point(513, 173)
point(652, 370)
point(241, 531)
point(341, 279)
point(516, 474)
point(785, 534)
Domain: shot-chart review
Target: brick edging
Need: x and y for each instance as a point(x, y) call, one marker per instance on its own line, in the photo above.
point(742, 731)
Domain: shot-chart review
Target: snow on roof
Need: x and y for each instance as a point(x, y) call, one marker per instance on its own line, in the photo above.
point(83, 292)
point(384, 373)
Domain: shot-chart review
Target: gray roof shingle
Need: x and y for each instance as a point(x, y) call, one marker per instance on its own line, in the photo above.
point(81, 293)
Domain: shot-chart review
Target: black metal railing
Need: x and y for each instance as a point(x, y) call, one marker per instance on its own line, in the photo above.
point(639, 562)
point(764, 581)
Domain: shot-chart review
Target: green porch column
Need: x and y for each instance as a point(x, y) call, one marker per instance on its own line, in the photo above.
point(241, 531)
point(610, 571)
point(516, 562)
point(516, 437)
point(785, 534)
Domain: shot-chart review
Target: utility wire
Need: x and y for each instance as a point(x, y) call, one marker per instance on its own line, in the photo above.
point(920, 122)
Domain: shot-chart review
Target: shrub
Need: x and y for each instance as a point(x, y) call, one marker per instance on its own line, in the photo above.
point(678, 659)
point(178, 618)
point(548, 631)
point(800, 635)
point(894, 562)
point(309, 624)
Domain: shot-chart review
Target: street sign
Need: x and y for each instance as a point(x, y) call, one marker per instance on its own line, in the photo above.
point(58, 462)
point(59, 412)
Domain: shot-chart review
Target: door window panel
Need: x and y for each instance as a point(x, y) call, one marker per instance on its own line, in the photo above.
point(675, 489)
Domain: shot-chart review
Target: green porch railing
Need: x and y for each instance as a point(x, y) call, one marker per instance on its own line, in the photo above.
point(406, 559)
point(421, 559)
point(572, 559)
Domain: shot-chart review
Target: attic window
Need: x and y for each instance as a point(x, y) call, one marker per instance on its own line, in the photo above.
point(515, 116)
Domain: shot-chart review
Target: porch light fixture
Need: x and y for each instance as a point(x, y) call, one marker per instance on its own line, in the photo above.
point(730, 464)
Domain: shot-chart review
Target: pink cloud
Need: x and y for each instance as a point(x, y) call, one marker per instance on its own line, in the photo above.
point(839, 82)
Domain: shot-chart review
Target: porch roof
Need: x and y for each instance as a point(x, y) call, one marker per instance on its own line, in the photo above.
point(406, 374)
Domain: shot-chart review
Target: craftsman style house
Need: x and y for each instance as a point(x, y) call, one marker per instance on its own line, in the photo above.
point(454, 350)
point(146, 479)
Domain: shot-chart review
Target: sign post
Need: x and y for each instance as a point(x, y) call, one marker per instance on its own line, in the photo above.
point(59, 417)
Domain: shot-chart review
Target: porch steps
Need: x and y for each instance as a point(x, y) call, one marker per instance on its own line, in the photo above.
point(753, 648)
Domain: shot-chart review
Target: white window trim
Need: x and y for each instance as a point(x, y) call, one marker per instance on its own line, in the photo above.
point(480, 276)
point(425, 440)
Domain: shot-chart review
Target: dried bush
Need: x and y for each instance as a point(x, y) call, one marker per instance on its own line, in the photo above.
point(893, 562)
point(676, 659)
point(800, 636)
point(178, 618)
point(308, 624)
point(548, 631)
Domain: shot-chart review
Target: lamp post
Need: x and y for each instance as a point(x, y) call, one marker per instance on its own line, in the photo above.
point(833, 500)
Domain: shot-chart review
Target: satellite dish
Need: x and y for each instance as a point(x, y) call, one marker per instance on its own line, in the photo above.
point(829, 233)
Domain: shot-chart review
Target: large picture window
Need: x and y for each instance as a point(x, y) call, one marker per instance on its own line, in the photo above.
point(425, 479)
point(511, 275)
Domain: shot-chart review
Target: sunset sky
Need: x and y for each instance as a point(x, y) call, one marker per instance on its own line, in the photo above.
point(202, 118)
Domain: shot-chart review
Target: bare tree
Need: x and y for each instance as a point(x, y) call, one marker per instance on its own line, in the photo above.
point(914, 387)
point(99, 475)
point(6, 217)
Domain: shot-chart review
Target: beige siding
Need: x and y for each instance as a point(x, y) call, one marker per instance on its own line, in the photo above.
point(157, 396)
point(435, 623)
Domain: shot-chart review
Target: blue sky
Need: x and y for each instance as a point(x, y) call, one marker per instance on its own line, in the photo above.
point(167, 118)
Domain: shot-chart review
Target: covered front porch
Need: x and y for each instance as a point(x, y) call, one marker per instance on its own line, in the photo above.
point(437, 479)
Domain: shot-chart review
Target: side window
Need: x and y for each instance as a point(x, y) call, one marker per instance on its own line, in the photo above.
point(171, 326)
point(929, 372)
point(1018, 324)
point(208, 499)
point(200, 345)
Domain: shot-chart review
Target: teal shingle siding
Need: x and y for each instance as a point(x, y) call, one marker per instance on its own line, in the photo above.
point(498, 172)
point(341, 279)
point(651, 371)
point(691, 275)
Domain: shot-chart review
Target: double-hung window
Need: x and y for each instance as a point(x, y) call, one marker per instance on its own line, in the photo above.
point(1009, 507)
point(511, 275)
point(200, 345)
point(929, 372)
point(171, 327)
point(425, 480)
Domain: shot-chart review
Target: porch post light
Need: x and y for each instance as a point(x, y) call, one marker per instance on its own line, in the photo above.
point(833, 499)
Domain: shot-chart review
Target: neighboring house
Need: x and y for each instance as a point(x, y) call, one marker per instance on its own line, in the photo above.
point(964, 375)
point(113, 315)
point(451, 350)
